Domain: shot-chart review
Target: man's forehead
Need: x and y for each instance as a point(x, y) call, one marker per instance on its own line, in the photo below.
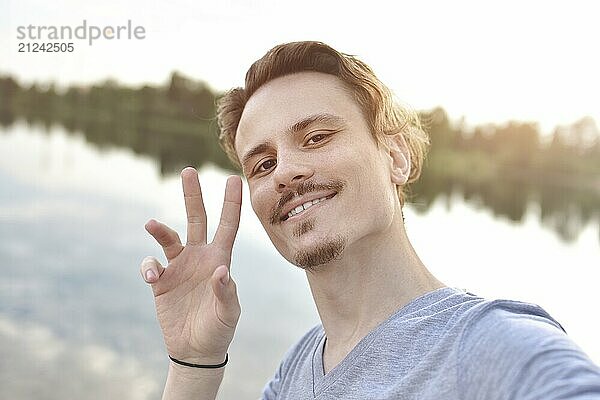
point(280, 103)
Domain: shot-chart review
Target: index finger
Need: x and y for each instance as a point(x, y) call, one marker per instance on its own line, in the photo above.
point(166, 237)
point(230, 215)
point(194, 207)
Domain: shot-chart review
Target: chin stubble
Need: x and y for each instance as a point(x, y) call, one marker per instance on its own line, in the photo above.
point(303, 227)
point(320, 254)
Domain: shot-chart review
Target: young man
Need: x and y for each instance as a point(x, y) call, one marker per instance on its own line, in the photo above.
point(327, 156)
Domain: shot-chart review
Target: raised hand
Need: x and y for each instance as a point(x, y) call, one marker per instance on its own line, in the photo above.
point(196, 300)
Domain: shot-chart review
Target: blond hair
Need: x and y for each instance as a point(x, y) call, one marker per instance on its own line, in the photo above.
point(384, 116)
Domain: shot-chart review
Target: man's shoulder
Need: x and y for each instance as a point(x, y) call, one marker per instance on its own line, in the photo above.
point(455, 323)
point(516, 349)
point(456, 311)
point(509, 319)
point(502, 313)
point(507, 327)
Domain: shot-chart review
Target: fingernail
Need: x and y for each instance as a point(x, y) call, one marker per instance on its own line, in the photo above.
point(150, 275)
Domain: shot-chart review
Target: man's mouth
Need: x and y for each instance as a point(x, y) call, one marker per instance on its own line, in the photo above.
point(299, 209)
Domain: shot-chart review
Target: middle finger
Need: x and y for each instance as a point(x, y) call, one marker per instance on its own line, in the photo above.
point(194, 207)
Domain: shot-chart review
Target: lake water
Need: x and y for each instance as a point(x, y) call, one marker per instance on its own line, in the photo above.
point(77, 320)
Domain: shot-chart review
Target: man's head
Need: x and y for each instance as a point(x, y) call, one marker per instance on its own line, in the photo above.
point(384, 116)
point(316, 126)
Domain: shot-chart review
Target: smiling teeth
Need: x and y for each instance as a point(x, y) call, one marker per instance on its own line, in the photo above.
point(304, 206)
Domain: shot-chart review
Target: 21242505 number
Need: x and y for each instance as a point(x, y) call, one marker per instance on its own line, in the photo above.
point(47, 47)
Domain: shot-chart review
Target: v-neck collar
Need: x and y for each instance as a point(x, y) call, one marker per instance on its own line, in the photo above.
point(322, 381)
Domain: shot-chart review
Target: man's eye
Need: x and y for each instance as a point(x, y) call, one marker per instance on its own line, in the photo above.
point(316, 138)
point(266, 165)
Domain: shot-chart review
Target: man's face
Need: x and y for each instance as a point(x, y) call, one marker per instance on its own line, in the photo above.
point(319, 183)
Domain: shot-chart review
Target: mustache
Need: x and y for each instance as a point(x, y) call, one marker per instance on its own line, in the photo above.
point(302, 189)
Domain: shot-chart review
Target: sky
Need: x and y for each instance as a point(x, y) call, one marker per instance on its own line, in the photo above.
point(490, 61)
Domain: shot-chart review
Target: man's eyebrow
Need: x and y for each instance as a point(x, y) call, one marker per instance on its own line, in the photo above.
point(297, 127)
point(258, 149)
point(315, 118)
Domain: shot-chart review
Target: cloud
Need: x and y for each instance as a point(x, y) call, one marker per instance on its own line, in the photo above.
point(40, 364)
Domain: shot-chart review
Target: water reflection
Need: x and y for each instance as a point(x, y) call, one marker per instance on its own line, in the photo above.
point(567, 210)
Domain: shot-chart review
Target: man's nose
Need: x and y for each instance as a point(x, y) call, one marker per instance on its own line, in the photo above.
point(289, 174)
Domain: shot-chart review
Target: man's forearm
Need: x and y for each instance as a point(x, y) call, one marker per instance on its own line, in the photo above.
point(184, 383)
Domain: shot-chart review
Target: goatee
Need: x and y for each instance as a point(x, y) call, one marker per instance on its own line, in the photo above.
point(321, 254)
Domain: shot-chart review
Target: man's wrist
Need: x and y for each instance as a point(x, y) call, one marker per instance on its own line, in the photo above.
point(182, 372)
point(195, 364)
point(186, 383)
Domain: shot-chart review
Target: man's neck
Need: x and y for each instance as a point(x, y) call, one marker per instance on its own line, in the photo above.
point(374, 278)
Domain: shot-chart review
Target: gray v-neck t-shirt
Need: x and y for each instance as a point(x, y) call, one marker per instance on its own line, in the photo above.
point(446, 344)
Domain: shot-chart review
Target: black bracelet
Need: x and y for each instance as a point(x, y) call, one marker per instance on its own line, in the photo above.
point(200, 365)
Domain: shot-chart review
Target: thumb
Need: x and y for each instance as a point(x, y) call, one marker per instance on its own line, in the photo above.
point(224, 287)
point(151, 269)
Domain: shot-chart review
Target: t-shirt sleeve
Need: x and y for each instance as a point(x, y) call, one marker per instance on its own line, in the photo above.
point(517, 351)
point(272, 388)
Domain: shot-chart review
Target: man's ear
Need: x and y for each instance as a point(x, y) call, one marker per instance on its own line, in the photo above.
point(398, 150)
